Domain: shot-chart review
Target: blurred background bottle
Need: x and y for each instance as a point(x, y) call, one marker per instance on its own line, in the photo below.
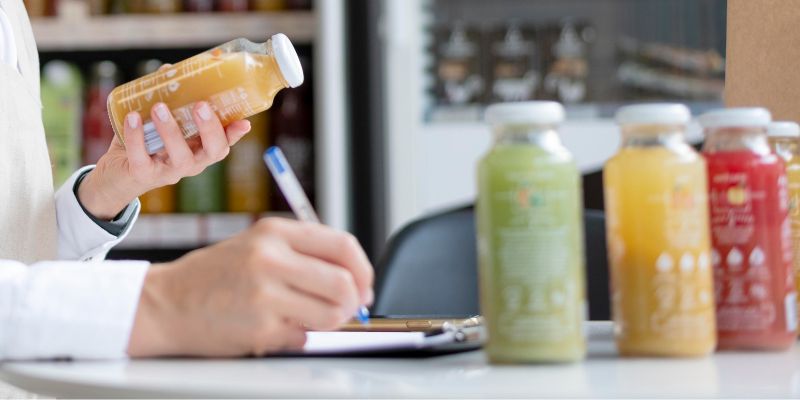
point(204, 193)
point(97, 130)
point(99, 7)
point(160, 200)
point(515, 72)
point(40, 8)
point(298, 4)
point(268, 5)
point(247, 179)
point(198, 5)
point(232, 5)
point(62, 102)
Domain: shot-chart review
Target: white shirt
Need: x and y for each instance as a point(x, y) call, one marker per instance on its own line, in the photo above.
point(81, 306)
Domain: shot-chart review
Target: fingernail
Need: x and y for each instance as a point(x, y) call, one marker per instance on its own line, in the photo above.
point(133, 121)
point(369, 298)
point(204, 111)
point(162, 112)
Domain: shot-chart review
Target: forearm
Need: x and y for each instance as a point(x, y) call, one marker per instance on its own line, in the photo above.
point(68, 309)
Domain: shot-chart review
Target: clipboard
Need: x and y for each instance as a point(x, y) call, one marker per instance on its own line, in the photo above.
point(448, 339)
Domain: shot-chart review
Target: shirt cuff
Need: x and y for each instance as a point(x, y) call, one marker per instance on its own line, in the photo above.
point(79, 237)
point(117, 225)
point(70, 309)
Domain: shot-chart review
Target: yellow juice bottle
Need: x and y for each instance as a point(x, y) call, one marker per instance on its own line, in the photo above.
point(784, 137)
point(246, 179)
point(239, 79)
point(658, 237)
point(160, 200)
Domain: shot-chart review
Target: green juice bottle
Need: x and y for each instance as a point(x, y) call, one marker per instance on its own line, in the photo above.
point(204, 193)
point(530, 238)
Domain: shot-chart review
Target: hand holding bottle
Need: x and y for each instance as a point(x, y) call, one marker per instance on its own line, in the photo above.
point(126, 172)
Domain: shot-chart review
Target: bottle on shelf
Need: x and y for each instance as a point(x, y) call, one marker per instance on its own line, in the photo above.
point(784, 137)
point(160, 200)
point(751, 232)
point(239, 79)
point(203, 193)
point(267, 5)
point(515, 72)
point(99, 7)
point(530, 238)
point(160, 6)
point(657, 227)
point(198, 5)
point(458, 71)
point(97, 130)
point(40, 8)
point(62, 103)
point(247, 178)
point(567, 76)
point(233, 5)
point(292, 130)
point(298, 4)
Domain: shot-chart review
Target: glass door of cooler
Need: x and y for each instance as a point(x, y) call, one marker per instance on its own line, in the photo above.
point(446, 60)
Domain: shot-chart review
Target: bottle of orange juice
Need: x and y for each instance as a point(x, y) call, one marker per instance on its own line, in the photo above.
point(159, 200)
point(658, 237)
point(239, 79)
point(784, 136)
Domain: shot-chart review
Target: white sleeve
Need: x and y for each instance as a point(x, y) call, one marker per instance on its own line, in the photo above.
point(80, 238)
point(68, 309)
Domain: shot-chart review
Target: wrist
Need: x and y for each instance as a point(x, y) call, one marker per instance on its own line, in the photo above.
point(155, 323)
point(105, 196)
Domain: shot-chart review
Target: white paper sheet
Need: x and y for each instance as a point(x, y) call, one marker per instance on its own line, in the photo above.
point(357, 342)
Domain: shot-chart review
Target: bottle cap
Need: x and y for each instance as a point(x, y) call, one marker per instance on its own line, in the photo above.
point(57, 72)
point(287, 59)
point(736, 117)
point(656, 113)
point(783, 129)
point(526, 112)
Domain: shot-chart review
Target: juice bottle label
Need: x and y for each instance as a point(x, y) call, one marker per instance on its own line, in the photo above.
point(531, 246)
point(236, 85)
point(752, 253)
point(659, 248)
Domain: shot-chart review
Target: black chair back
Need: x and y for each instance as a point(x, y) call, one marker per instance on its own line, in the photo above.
point(430, 267)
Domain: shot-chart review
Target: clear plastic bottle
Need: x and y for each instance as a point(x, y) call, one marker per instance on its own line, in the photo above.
point(239, 79)
point(530, 238)
point(750, 232)
point(658, 240)
point(784, 137)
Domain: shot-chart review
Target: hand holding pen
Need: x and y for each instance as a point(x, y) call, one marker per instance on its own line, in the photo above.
point(298, 200)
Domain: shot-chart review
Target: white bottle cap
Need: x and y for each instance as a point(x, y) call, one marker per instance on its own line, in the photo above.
point(783, 129)
point(751, 117)
point(526, 112)
point(57, 72)
point(287, 59)
point(656, 113)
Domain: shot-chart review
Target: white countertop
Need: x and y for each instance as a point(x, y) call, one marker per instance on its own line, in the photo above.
point(603, 374)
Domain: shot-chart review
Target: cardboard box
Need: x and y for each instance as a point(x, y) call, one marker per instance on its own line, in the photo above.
point(763, 56)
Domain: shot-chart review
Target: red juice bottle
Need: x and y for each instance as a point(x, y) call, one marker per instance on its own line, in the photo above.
point(750, 232)
point(97, 130)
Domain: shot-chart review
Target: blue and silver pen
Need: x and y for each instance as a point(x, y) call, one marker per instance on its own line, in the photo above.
point(290, 187)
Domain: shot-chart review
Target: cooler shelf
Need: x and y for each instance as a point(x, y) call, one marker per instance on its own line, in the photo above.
point(183, 30)
point(175, 231)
